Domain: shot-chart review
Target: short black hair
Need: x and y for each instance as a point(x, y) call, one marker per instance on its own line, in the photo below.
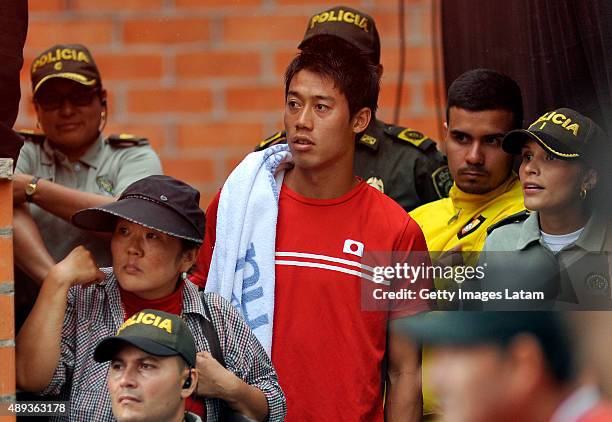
point(352, 73)
point(486, 89)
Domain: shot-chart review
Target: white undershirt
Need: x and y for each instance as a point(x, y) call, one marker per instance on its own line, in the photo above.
point(556, 242)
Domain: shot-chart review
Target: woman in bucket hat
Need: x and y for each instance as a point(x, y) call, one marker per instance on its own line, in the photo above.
point(559, 246)
point(157, 227)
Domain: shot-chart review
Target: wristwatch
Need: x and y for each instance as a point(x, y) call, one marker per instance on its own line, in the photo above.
point(30, 188)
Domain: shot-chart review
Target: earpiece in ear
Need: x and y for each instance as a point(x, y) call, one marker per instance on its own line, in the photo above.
point(187, 382)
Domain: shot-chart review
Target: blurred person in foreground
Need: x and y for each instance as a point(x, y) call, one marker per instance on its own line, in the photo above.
point(157, 227)
point(506, 367)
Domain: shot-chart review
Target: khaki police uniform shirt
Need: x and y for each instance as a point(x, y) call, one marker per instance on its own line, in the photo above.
point(576, 277)
point(103, 170)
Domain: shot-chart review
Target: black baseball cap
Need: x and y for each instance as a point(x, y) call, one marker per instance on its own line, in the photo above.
point(155, 332)
point(350, 24)
point(564, 133)
point(158, 202)
point(68, 61)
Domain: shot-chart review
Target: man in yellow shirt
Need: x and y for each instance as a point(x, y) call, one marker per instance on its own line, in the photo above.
point(483, 105)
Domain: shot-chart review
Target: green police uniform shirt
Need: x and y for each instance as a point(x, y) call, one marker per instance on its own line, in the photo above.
point(576, 278)
point(104, 169)
point(400, 162)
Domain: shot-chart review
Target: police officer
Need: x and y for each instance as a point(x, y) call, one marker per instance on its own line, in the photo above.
point(400, 162)
point(71, 166)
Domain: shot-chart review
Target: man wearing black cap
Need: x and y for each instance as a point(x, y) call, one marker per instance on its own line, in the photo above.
point(506, 367)
point(400, 162)
point(71, 166)
point(152, 360)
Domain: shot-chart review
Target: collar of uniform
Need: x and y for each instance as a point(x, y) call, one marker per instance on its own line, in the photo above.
point(530, 231)
point(93, 156)
point(192, 300)
point(594, 235)
point(591, 239)
point(463, 199)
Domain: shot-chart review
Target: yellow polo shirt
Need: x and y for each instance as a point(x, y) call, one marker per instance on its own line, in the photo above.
point(462, 220)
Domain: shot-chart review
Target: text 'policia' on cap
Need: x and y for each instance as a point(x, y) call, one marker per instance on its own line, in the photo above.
point(155, 332)
point(351, 25)
point(564, 133)
point(67, 61)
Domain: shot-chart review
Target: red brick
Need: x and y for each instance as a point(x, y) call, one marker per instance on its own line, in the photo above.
point(429, 94)
point(416, 59)
point(217, 64)
point(45, 5)
point(282, 59)
point(388, 92)
point(166, 30)
point(264, 28)
point(6, 210)
point(255, 99)
point(6, 265)
point(7, 370)
point(91, 32)
point(7, 328)
point(169, 100)
point(215, 3)
point(232, 161)
point(206, 197)
point(323, 3)
point(245, 135)
point(114, 5)
point(156, 134)
point(189, 170)
point(130, 66)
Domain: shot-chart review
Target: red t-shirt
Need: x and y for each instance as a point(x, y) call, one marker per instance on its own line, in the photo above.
point(328, 351)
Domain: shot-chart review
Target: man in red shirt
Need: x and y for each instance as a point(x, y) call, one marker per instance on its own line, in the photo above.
point(329, 351)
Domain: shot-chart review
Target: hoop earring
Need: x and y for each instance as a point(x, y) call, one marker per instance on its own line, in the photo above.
point(102, 121)
point(583, 193)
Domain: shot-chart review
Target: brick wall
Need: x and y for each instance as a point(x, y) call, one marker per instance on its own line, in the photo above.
point(202, 79)
point(7, 329)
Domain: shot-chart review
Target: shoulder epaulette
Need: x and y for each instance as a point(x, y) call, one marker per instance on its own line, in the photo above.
point(414, 137)
point(277, 138)
point(126, 140)
point(32, 136)
point(511, 219)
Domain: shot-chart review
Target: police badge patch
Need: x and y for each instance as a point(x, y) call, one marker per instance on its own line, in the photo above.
point(105, 185)
point(471, 226)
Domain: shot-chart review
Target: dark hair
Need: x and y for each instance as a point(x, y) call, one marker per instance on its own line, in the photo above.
point(352, 73)
point(486, 89)
point(555, 343)
point(313, 43)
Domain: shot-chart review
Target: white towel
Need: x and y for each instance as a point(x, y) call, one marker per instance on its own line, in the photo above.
point(242, 266)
